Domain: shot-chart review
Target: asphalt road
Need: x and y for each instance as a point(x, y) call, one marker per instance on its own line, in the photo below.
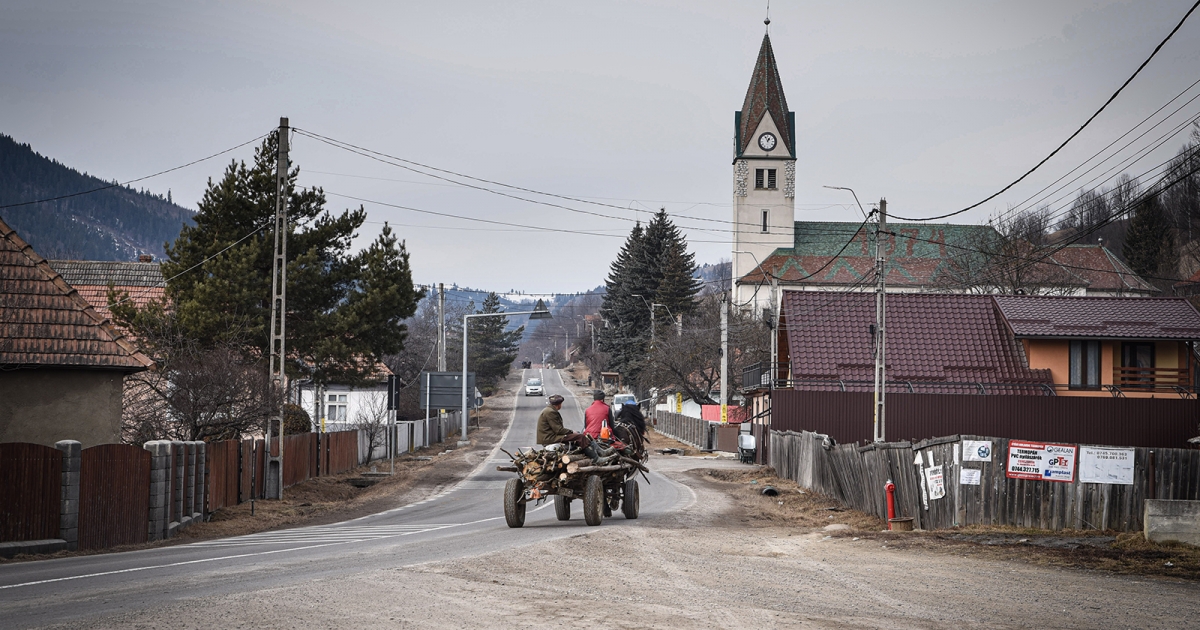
point(462, 521)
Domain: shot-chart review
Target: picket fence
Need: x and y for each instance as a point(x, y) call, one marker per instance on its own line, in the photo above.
point(856, 476)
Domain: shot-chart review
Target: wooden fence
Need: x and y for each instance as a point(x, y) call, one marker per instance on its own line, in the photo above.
point(114, 495)
point(30, 491)
point(224, 473)
point(236, 467)
point(856, 476)
point(341, 452)
point(686, 429)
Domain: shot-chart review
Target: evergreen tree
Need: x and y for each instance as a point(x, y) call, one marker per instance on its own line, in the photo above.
point(1149, 244)
point(344, 308)
point(492, 348)
point(652, 267)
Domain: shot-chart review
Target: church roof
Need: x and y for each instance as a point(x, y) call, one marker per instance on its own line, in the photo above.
point(764, 95)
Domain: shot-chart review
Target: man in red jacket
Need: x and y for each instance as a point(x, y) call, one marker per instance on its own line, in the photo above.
point(598, 416)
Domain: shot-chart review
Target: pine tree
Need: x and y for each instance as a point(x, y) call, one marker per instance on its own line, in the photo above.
point(344, 308)
point(1149, 245)
point(492, 348)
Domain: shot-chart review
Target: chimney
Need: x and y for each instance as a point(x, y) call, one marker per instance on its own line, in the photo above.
point(145, 258)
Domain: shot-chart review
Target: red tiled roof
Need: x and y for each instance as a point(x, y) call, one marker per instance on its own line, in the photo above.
point(930, 337)
point(765, 95)
point(45, 322)
point(141, 281)
point(1100, 317)
point(1101, 270)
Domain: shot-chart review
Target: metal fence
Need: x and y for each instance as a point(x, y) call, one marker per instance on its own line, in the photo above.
point(114, 495)
point(30, 492)
point(856, 476)
point(848, 417)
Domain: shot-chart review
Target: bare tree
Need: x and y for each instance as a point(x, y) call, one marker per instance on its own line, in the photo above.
point(1009, 259)
point(370, 419)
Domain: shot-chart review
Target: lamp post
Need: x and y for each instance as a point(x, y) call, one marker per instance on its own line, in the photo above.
point(651, 308)
point(539, 312)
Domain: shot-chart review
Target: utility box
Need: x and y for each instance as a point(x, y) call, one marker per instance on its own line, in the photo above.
point(1177, 521)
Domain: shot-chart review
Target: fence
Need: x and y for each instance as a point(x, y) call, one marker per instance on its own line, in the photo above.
point(847, 417)
point(224, 474)
point(341, 452)
point(114, 495)
point(930, 488)
point(30, 496)
point(686, 429)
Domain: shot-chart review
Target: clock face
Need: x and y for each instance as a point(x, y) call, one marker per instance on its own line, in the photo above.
point(766, 142)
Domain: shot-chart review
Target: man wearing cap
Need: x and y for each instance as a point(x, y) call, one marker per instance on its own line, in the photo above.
point(597, 417)
point(550, 428)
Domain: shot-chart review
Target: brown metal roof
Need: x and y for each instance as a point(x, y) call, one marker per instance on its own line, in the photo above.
point(1100, 317)
point(1101, 270)
point(765, 94)
point(45, 322)
point(930, 337)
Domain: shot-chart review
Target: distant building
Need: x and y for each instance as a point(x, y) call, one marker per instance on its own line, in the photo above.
point(142, 281)
point(62, 364)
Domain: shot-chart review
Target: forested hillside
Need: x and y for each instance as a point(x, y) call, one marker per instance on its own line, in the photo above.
point(114, 224)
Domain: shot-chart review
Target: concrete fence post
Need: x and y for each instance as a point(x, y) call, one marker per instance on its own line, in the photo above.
point(201, 479)
point(178, 471)
point(189, 488)
point(68, 524)
point(160, 479)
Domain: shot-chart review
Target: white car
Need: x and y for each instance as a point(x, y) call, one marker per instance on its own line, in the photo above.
point(533, 387)
point(622, 399)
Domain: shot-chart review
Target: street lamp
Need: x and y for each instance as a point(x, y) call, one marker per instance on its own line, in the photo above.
point(539, 312)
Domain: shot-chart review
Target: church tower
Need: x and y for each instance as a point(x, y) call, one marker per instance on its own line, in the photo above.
point(764, 174)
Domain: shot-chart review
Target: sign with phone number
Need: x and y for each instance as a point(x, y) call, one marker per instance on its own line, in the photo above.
point(1044, 462)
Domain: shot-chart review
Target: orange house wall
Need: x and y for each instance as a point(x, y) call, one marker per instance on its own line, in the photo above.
point(1055, 355)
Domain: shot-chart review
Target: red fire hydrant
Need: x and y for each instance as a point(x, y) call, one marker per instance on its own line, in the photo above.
point(891, 500)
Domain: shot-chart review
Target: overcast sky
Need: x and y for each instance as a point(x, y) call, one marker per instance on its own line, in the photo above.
point(934, 105)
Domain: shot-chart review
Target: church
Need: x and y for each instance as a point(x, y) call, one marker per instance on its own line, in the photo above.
point(773, 251)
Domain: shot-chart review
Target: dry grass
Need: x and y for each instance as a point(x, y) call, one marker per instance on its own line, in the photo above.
point(792, 507)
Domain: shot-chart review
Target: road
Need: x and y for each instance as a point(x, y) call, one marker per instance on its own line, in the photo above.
point(462, 521)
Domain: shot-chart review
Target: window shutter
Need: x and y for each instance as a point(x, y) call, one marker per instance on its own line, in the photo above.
point(758, 178)
point(771, 178)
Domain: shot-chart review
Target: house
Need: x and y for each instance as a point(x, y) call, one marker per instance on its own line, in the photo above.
point(62, 364)
point(1132, 347)
point(142, 280)
point(991, 344)
point(341, 407)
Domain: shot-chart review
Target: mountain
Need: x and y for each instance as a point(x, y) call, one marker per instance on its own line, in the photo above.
point(117, 223)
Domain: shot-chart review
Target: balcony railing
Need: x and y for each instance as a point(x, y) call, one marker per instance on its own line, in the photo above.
point(1143, 379)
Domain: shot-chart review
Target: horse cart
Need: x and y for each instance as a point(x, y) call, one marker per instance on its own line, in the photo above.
point(602, 475)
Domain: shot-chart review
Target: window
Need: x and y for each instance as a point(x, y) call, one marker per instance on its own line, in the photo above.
point(336, 410)
point(764, 178)
point(1085, 365)
point(766, 214)
point(1137, 363)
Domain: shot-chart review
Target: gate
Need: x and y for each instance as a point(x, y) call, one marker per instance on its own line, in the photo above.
point(114, 495)
point(30, 495)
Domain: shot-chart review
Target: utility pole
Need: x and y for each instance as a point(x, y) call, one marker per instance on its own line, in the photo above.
point(724, 358)
point(274, 480)
point(880, 319)
point(441, 327)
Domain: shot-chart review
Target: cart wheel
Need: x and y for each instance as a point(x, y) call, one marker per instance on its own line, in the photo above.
point(562, 507)
point(631, 503)
point(514, 510)
point(593, 500)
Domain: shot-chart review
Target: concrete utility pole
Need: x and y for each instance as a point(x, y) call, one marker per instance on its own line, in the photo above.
point(441, 327)
point(724, 358)
point(274, 480)
point(880, 320)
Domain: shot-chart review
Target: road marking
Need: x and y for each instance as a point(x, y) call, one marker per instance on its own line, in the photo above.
point(322, 534)
point(232, 557)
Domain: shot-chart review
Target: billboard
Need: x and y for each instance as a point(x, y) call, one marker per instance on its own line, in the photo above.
point(445, 390)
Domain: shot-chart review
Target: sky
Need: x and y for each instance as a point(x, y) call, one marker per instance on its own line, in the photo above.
point(933, 105)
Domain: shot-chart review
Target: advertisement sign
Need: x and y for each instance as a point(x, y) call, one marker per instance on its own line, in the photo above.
point(678, 403)
point(935, 480)
point(969, 476)
point(977, 450)
point(1106, 465)
point(1045, 462)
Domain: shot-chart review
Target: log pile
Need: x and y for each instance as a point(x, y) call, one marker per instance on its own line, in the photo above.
point(547, 471)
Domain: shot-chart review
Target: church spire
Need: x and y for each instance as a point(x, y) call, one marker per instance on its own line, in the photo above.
point(765, 95)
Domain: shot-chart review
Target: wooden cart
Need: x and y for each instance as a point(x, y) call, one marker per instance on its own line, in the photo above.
point(602, 479)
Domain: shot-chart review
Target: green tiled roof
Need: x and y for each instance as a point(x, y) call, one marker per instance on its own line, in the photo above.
point(825, 238)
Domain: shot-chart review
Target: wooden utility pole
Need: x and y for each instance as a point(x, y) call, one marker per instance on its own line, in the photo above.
point(274, 480)
point(880, 328)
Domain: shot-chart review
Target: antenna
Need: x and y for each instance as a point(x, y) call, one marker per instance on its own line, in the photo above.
point(768, 20)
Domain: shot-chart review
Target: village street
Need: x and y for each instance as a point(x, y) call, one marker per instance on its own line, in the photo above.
point(690, 560)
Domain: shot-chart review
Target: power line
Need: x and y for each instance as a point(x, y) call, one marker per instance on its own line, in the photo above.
point(1077, 131)
point(133, 181)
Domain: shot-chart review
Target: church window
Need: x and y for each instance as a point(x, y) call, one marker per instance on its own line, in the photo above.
point(764, 178)
point(765, 223)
